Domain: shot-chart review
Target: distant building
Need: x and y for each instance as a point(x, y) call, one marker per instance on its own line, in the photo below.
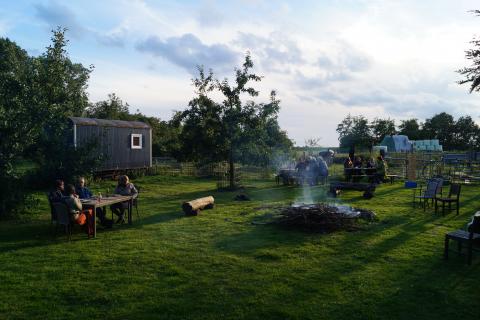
point(397, 143)
point(123, 144)
point(401, 143)
point(427, 145)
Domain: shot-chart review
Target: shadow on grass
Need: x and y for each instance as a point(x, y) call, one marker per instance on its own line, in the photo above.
point(262, 237)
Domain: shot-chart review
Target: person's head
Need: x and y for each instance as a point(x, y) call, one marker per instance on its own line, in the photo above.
point(70, 189)
point(123, 180)
point(358, 158)
point(59, 185)
point(379, 158)
point(81, 182)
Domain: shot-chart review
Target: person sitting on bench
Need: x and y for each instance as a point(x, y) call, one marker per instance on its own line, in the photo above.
point(381, 170)
point(357, 171)
point(347, 167)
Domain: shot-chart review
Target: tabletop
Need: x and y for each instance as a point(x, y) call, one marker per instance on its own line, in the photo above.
point(105, 201)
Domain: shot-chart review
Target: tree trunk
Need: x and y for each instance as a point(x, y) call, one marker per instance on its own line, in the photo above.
point(231, 170)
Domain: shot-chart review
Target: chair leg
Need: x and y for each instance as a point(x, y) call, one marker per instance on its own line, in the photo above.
point(458, 207)
point(445, 251)
point(469, 253)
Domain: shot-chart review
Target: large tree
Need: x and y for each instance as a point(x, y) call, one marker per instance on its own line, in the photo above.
point(232, 130)
point(16, 117)
point(60, 92)
point(113, 108)
point(355, 131)
point(381, 128)
point(411, 128)
point(441, 126)
point(466, 134)
point(472, 73)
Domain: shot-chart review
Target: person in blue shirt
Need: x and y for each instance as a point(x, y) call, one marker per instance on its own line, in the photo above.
point(82, 191)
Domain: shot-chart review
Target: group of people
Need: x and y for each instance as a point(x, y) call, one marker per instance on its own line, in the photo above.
point(376, 170)
point(310, 169)
point(71, 195)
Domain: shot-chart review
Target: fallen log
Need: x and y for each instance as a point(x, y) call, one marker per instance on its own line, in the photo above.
point(368, 188)
point(192, 208)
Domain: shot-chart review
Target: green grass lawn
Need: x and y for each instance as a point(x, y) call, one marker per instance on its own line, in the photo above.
point(219, 266)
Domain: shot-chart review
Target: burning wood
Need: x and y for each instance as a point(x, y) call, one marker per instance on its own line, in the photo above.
point(322, 217)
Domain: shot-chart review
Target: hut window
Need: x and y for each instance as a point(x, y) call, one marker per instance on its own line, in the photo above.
point(136, 142)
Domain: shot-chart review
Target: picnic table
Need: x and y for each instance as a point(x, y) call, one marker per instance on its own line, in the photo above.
point(94, 203)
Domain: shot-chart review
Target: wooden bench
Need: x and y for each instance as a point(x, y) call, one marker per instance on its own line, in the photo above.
point(367, 188)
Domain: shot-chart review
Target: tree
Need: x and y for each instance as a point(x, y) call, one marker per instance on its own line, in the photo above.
point(441, 126)
point(113, 109)
point(411, 128)
point(60, 91)
point(466, 134)
point(381, 128)
point(355, 131)
point(233, 130)
point(16, 74)
point(472, 73)
point(312, 142)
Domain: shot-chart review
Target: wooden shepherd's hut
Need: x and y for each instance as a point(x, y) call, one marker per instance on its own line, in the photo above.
point(123, 144)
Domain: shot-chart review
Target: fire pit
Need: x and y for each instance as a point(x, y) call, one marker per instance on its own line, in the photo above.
point(322, 217)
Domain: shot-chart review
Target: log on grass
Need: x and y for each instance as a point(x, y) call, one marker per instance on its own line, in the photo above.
point(193, 207)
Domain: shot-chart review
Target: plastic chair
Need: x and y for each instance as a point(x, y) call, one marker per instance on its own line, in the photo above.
point(429, 194)
point(470, 237)
point(453, 197)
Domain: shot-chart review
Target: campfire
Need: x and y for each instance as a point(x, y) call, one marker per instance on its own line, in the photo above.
point(322, 217)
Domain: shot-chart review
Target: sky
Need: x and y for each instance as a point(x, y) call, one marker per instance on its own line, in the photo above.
point(325, 59)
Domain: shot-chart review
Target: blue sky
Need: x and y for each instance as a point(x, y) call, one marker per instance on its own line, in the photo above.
point(377, 58)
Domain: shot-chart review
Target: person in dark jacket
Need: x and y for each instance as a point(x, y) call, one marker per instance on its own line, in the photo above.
point(347, 167)
point(59, 193)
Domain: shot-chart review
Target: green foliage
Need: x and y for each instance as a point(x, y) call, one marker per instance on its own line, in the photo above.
point(60, 92)
point(410, 128)
point(460, 134)
point(16, 116)
point(37, 94)
point(113, 109)
point(472, 73)
point(233, 130)
point(381, 128)
point(355, 131)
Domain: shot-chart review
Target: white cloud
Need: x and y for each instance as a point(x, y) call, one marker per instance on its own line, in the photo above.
point(326, 59)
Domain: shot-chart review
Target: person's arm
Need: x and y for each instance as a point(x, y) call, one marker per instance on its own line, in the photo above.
point(133, 190)
point(88, 193)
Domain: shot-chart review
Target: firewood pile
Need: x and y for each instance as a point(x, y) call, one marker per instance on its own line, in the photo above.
point(322, 217)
